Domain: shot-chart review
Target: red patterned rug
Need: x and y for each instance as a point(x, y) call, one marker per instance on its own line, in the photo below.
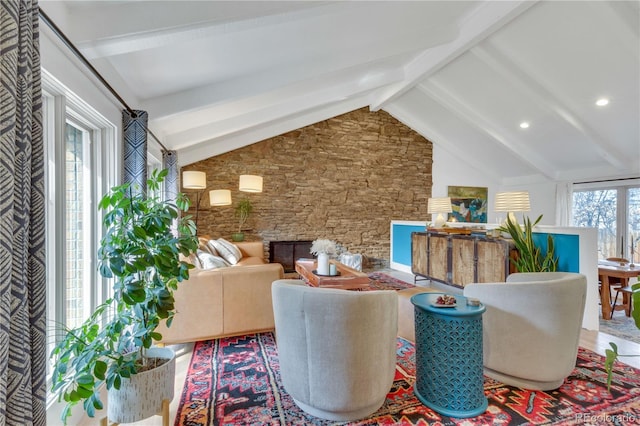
point(382, 281)
point(236, 381)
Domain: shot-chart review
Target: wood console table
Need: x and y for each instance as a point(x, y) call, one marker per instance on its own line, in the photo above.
point(458, 260)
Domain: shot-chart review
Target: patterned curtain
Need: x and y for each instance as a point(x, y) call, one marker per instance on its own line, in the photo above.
point(134, 128)
point(170, 162)
point(22, 201)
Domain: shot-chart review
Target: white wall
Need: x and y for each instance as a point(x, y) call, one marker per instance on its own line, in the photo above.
point(453, 171)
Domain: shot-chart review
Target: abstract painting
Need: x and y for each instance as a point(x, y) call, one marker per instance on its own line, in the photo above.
point(469, 204)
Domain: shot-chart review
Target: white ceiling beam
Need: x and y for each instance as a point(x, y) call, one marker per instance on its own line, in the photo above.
point(255, 112)
point(172, 22)
point(482, 22)
point(217, 146)
point(215, 103)
point(546, 99)
point(504, 137)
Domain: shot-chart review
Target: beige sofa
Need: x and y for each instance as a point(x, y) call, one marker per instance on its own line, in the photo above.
point(225, 301)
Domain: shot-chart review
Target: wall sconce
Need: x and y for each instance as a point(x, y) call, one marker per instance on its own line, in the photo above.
point(198, 181)
point(511, 202)
point(220, 197)
point(439, 205)
point(250, 183)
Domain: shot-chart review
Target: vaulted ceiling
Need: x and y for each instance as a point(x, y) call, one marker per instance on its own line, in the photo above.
point(218, 75)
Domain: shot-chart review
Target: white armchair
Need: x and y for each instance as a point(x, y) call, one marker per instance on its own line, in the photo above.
point(531, 327)
point(337, 348)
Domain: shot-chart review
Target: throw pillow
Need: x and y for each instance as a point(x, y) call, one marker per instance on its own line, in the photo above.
point(227, 250)
point(194, 260)
point(204, 246)
point(212, 249)
point(210, 261)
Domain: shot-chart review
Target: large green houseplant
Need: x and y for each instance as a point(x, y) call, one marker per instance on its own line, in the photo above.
point(140, 252)
point(530, 257)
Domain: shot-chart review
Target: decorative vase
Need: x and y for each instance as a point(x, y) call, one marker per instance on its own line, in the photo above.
point(323, 264)
point(237, 236)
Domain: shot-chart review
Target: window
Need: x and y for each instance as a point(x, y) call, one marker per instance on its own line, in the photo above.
point(614, 211)
point(81, 161)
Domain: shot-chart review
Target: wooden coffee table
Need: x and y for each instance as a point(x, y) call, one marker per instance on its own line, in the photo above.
point(348, 278)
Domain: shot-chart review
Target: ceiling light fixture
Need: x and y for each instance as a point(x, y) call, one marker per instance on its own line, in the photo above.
point(524, 125)
point(602, 102)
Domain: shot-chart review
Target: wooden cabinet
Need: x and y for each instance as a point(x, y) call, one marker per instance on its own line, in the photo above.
point(419, 254)
point(460, 259)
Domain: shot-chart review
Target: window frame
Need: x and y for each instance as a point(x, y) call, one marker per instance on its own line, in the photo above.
point(622, 188)
point(62, 106)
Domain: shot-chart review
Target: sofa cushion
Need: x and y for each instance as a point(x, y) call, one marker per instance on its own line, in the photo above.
point(209, 261)
point(212, 248)
point(202, 245)
point(227, 250)
point(194, 260)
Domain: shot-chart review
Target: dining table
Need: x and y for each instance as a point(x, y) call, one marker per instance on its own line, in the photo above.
point(608, 269)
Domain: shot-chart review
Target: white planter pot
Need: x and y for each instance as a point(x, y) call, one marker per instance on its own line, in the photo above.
point(323, 264)
point(141, 396)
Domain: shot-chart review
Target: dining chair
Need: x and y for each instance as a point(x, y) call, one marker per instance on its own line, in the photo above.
point(614, 283)
point(627, 300)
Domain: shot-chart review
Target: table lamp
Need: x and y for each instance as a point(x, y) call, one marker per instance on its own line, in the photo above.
point(439, 205)
point(511, 202)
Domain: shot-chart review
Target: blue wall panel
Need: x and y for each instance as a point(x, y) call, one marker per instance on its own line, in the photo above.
point(567, 249)
point(401, 242)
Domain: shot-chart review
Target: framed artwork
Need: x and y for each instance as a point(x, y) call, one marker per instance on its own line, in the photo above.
point(469, 204)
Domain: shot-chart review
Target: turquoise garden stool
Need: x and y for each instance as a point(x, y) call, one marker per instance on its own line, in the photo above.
point(449, 371)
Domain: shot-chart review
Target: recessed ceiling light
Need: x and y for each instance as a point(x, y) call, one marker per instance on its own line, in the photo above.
point(524, 125)
point(602, 102)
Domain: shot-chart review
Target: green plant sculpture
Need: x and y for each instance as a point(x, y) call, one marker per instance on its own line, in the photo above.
point(530, 258)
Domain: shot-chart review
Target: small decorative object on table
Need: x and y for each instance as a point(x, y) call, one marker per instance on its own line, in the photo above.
point(323, 248)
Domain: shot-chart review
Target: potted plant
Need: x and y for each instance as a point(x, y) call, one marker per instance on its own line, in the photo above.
point(242, 212)
point(612, 354)
point(530, 258)
point(140, 252)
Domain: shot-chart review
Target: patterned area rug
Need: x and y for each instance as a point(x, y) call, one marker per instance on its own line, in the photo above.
point(382, 281)
point(236, 381)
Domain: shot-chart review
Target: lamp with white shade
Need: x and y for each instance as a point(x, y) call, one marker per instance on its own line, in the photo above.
point(438, 206)
point(220, 197)
point(198, 181)
point(511, 202)
point(250, 183)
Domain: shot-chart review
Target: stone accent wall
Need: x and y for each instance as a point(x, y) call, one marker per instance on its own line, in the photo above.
point(344, 179)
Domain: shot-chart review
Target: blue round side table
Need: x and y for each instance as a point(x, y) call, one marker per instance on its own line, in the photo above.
point(449, 372)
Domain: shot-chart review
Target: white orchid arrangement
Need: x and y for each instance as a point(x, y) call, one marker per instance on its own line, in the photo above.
point(324, 246)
